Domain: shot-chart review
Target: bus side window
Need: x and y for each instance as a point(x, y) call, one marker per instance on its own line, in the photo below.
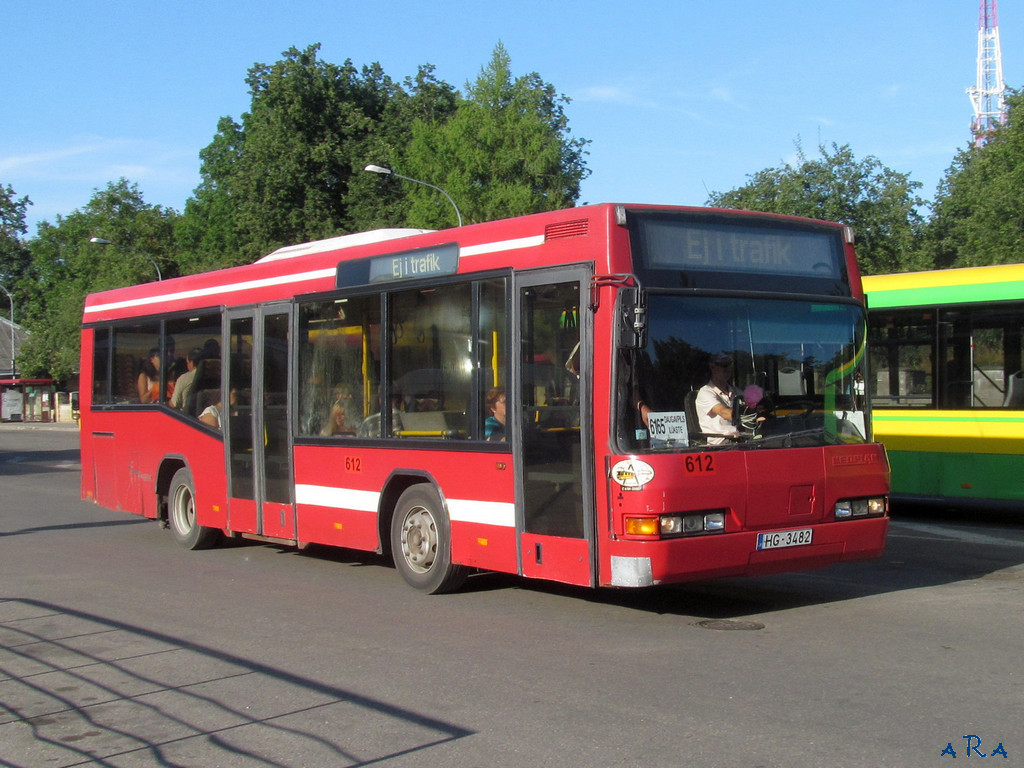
point(431, 363)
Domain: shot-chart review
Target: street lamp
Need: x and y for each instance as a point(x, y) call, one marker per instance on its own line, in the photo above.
point(101, 241)
point(11, 299)
point(389, 172)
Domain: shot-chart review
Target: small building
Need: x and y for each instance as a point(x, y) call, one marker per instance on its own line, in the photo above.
point(28, 400)
point(24, 399)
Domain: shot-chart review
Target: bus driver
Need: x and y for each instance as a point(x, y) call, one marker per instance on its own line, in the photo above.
point(715, 401)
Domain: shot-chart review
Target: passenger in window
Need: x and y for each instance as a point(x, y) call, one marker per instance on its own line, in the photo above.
point(148, 382)
point(337, 422)
point(211, 349)
point(184, 383)
point(494, 426)
point(211, 415)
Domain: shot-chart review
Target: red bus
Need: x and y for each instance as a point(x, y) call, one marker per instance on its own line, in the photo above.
point(338, 392)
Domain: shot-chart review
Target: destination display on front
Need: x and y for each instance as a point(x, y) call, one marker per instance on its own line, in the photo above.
point(693, 245)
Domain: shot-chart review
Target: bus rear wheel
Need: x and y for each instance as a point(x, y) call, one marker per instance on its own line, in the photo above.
point(181, 514)
point(421, 542)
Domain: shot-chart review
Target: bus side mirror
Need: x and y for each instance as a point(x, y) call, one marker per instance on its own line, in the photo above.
point(632, 318)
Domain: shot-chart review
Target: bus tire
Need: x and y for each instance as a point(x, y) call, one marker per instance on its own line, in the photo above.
point(181, 514)
point(421, 542)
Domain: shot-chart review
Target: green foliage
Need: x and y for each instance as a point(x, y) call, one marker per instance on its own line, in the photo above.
point(14, 255)
point(979, 209)
point(291, 171)
point(505, 152)
point(66, 267)
point(881, 205)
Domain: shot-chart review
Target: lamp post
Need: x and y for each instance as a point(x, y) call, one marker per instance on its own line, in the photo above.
point(389, 172)
point(101, 241)
point(14, 371)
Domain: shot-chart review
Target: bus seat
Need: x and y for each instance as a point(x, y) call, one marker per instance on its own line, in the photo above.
point(1014, 391)
point(424, 421)
point(370, 426)
point(692, 422)
point(125, 373)
point(791, 382)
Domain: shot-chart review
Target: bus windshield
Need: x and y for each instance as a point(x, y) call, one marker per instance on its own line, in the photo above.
point(791, 374)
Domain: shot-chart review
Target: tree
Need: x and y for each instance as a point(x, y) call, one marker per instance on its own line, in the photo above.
point(423, 99)
point(881, 205)
point(291, 170)
point(979, 207)
point(66, 267)
point(208, 233)
point(505, 152)
point(14, 256)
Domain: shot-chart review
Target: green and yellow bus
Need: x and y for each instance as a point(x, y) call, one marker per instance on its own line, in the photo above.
point(947, 384)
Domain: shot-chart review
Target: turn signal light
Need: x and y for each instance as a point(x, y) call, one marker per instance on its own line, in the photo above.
point(642, 526)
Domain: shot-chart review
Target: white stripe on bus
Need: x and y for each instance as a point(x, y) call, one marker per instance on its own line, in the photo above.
point(461, 510)
point(318, 274)
point(502, 245)
point(213, 290)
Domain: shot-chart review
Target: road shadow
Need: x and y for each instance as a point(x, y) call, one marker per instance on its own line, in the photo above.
point(921, 552)
point(39, 462)
point(925, 552)
point(81, 689)
point(928, 546)
point(133, 520)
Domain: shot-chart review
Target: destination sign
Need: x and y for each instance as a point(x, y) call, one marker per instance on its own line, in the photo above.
point(424, 262)
point(734, 247)
point(407, 265)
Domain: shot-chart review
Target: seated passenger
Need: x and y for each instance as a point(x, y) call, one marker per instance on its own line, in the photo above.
point(494, 427)
point(148, 382)
point(212, 416)
point(184, 383)
point(336, 422)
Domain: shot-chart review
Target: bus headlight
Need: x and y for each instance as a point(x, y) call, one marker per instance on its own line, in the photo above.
point(714, 521)
point(674, 526)
point(875, 506)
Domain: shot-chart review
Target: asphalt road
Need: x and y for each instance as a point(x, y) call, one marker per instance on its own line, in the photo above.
point(117, 648)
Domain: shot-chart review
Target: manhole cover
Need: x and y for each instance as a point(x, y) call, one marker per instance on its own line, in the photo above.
point(730, 624)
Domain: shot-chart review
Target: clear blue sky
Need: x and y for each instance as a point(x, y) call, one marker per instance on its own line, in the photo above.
point(678, 97)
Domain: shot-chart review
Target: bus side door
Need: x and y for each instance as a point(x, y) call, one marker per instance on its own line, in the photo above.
point(551, 433)
point(257, 435)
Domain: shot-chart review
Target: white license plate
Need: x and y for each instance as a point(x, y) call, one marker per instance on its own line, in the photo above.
point(778, 539)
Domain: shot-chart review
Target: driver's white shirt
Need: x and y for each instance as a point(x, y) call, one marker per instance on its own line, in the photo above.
point(711, 423)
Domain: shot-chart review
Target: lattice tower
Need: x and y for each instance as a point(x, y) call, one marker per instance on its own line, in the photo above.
point(988, 96)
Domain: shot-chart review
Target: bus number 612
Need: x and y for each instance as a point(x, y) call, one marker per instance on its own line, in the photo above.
point(704, 462)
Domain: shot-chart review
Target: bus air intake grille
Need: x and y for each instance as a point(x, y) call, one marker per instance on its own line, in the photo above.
point(577, 228)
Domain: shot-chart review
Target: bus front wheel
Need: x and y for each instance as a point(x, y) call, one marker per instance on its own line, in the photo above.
point(181, 514)
point(421, 542)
